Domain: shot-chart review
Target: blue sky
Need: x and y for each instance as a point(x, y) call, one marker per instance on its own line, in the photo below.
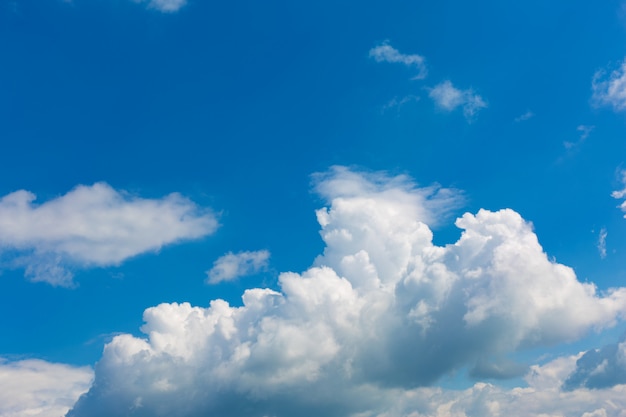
point(163, 152)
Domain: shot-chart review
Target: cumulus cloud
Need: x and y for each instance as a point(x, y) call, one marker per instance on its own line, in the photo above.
point(448, 98)
point(234, 265)
point(92, 226)
point(387, 53)
point(609, 88)
point(38, 388)
point(600, 368)
point(382, 314)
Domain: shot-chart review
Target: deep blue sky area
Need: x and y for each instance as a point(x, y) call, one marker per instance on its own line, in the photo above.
point(234, 105)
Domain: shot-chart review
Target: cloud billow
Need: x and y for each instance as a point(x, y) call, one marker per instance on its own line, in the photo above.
point(92, 226)
point(381, 315)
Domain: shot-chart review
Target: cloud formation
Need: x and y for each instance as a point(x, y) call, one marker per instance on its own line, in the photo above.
point(382, 314)
point(609, 89)
point(448, 98)
point(234, 265)
point(523, 117)
point(621, 194)
point(387, 53)
point(38, 388)
point(166, 6)
point(602, 242)
point(600, 368)
point(92, 226)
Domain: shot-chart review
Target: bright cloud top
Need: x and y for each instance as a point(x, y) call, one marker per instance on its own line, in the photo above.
point(234, 265)
point(38, 388)
point(93, 226)
point(387, 53)
point(610, 89)
point(448, 98)
point(382, 314)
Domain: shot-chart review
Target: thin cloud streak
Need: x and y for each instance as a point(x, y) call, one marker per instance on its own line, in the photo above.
point(387, 53)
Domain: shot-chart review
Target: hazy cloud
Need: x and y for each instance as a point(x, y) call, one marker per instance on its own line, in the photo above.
point(448, 98)
point(387, 53)
point(584, 132)
point(92, 226)
point(609, 88)
point(524, 117)
point(602, 242)
point(38, 388)
point(166, 6)
point(234, 265)
point(354, 334)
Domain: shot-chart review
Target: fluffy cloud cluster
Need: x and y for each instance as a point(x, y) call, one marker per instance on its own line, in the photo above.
point(448, 98)
point(234, 265)
point(609, 89)
point(40, 389)
point(387, 53)
point(92, 226)
point(382, 314)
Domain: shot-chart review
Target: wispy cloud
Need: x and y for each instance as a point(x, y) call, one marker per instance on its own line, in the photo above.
point(38, 388)
point(398, 103)
point(523, 117)
point(602, 242)
point(166, 6)
point(354, 333)
point(584, 132)
point(92, 226)
point(234, 265)
point(387, 53)
point(448, 98)
point(609, 88)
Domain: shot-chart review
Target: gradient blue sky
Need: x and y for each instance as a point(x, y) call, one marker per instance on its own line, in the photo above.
point(234, 105)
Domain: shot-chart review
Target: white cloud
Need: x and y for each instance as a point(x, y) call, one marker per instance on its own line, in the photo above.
point(398, 103)
point(38, 388)
point(448, 98)
point(382, 314)
point(92, 226)
point(166, 6)
point(387, 53)
point(234, 265)
point(602, 242)
point(610, 89)
point(524, 117)
point(585, 131)
point(621, 194)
